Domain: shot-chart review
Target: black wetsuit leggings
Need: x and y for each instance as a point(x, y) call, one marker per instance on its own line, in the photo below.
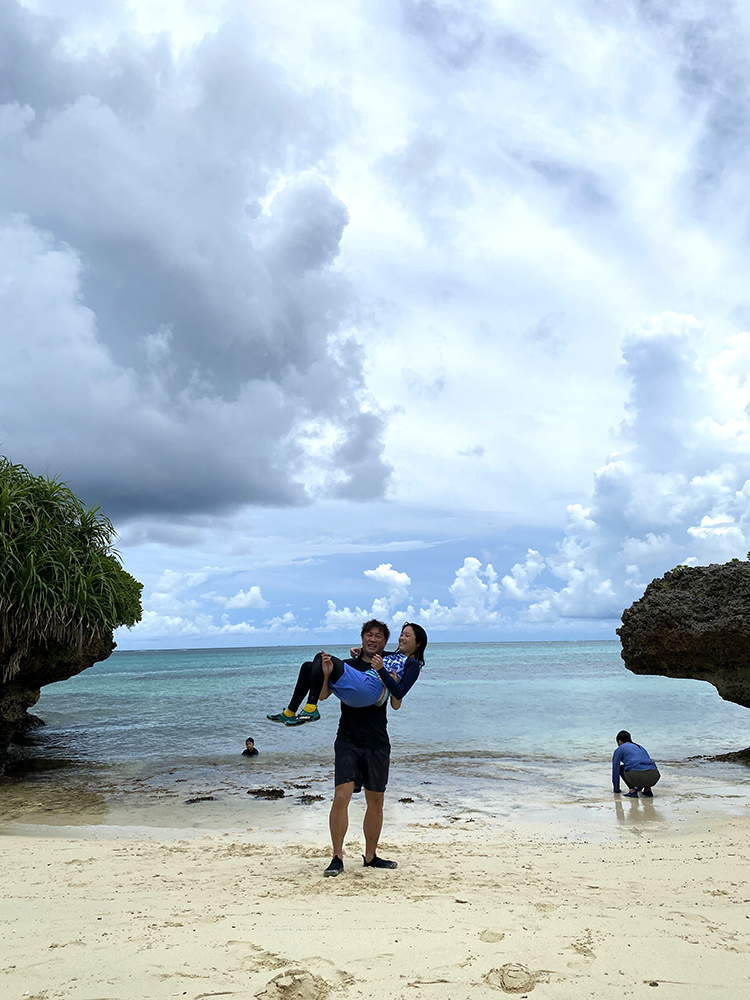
point(310, 681)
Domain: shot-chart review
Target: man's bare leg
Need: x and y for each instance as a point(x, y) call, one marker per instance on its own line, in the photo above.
point(373, 822)
point(338, 821)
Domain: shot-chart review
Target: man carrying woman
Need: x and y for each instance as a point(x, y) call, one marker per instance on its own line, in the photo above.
point(362, 750)
point(395, 675)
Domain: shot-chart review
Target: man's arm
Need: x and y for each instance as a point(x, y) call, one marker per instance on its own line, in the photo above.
point(325, 691)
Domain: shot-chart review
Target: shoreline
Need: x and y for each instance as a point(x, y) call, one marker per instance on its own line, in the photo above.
point(207, 913)
point(516, 794)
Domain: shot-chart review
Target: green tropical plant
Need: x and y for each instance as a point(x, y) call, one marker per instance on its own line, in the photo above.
point(61, 580)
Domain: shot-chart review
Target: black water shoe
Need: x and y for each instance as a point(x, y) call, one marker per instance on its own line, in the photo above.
point(336, 866)
point(379, 862)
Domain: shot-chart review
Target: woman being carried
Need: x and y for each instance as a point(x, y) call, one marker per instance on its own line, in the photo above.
point(359, 687)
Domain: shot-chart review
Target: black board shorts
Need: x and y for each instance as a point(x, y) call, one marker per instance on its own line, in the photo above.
point(364, 766)
point(641, 779)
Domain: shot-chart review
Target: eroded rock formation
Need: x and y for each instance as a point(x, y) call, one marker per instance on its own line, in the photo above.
point(694, 622)
point(38, 667)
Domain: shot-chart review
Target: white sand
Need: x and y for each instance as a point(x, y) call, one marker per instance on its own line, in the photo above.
point(133, 917)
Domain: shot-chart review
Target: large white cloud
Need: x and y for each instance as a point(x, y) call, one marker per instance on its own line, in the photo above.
point(176, 610)
point(561, 171)
point(397, 586)
point(524, 185)
point(474, 594)
point(259, 264)
point(396, 582)
point(678, 491)
point(176, 334)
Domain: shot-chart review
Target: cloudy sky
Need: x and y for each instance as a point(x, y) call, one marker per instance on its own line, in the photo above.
point(430, 310)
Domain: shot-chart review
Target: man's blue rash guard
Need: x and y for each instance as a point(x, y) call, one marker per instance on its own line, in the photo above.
point(399, 688)
point(633, 757)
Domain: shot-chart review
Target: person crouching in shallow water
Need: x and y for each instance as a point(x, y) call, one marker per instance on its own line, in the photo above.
point(249, 750)
point(631, 763)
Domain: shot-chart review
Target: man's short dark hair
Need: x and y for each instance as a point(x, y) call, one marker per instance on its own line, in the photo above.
point(375, 624)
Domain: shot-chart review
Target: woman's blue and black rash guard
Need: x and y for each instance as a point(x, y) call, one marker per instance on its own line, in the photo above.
point(398, 688)
point(633, 757)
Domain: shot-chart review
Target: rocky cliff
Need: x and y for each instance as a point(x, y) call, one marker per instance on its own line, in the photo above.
point(40, 666)
point(694, 622)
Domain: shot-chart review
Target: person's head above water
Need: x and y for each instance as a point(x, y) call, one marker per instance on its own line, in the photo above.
point(249, 743)
point(413, 641)
point(623, 737)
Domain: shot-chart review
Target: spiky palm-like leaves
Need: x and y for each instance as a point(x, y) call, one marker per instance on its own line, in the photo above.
point(60, 579)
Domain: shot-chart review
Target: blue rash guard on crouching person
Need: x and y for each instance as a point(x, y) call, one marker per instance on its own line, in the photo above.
point(633, 757)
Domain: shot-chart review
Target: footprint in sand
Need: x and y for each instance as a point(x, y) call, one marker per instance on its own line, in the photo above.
point(255, 958)
point(512, 978)
point(295, 984)
point(491, 937)
point(584, 948)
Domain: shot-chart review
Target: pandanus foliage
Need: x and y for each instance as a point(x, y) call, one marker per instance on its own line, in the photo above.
point(61, 581)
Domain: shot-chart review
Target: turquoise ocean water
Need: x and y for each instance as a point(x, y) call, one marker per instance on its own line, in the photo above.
point(489, 728)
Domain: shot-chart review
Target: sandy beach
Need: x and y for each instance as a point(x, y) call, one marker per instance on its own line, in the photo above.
point(91, 914)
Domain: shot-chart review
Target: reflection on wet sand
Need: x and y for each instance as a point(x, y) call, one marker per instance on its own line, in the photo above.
point(52, 805)
point(637, 810)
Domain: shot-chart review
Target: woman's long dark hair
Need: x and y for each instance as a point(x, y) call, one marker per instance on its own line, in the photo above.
point(624, 736)
point(421, 636)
